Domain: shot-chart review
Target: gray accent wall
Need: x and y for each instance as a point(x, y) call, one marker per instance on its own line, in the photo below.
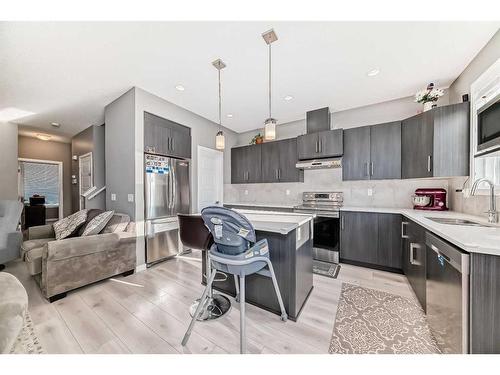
point(8, 166)
point(33, 148)
point(124, 120)
point(89, 140)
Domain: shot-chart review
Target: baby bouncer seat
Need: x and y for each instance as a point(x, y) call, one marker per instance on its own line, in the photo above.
point(235, 251)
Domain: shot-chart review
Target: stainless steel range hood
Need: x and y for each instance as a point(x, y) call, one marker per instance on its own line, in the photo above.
point(319, 163)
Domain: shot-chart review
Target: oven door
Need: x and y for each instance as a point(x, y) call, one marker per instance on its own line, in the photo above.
point(326, 239)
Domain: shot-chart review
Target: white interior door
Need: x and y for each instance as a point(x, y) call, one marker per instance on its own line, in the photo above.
point(86, 178)
point(210, 177)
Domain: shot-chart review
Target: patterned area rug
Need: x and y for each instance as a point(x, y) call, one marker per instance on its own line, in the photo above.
point(27, 342)
point(372, 321)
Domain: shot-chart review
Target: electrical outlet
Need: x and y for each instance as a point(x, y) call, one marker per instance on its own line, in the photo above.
point(370, 192)
point(130, 197)
point(246, 192)
point(113, 196)
point(287, 191)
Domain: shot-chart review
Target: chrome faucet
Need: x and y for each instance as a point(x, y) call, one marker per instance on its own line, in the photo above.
point(492, 212)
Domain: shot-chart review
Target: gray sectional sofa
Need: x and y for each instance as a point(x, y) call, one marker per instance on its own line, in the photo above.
point(63, 265)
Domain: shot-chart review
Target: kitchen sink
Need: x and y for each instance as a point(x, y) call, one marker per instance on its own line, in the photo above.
point(451, 221)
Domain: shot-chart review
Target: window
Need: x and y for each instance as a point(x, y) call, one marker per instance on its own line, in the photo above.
point(41, 179)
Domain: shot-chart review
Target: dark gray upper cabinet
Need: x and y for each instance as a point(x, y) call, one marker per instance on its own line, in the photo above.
point(324, 144)
point(270, 162)
point(267, 162)
point(371, 239)
point(318, 120)
point(166, 137)
point(436, 143)
point(356, 159)
point(307, 146)
point(417, 139)
point(451, 140)
point(288, 158)
point(385, 151)
point(372, 152)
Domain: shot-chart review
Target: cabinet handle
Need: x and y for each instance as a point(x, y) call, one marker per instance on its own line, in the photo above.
point(276, 175)
point(320, 142)
point(342, 223)
point(316, 147)
point(371, 172)
point(403, 235)
point(414, 246)
point(429, 158)
point(171, 144)
point(279, 173)
point(367, 169)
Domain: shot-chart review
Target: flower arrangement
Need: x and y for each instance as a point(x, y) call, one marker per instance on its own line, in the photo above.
point(430, 94)
point(259, 138)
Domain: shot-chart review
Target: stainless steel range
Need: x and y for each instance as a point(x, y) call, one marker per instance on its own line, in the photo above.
point(326, 206)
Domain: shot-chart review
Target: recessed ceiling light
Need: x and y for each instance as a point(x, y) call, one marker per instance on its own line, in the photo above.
point(43, 137)
point(55, 124)
point(229, 115)
point(373, 72)
point(180, 88)
point(288, 98)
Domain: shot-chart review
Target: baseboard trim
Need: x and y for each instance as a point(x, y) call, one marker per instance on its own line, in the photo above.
point(140, 268)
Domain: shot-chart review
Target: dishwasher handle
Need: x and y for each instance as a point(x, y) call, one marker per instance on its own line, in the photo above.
point(451, 254)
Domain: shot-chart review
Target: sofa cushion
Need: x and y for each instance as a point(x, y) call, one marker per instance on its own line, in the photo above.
point(93, 212)
point(33, 244)
point(33, 260)
point(118, 223)
point(13, 307)
point(97, 223)
point(70, 224)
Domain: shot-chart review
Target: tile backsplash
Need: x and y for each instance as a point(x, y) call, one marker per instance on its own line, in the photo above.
point(381, 193)
point(473, 205)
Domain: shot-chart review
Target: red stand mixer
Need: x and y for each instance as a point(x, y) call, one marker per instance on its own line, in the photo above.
point(430, 199)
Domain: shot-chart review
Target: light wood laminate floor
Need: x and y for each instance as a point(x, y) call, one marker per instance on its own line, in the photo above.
point(147, 312)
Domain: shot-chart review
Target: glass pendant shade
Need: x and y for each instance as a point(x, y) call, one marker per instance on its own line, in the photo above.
point(270, 129)
point(219, 140)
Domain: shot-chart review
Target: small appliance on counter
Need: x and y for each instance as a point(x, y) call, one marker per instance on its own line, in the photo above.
point(432, 199)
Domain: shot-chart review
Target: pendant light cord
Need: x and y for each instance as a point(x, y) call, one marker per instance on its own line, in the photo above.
point(270, 80)
point(220, 105)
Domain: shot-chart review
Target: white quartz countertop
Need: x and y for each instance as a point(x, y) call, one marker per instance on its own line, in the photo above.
point(484, 240)
point(276, 222)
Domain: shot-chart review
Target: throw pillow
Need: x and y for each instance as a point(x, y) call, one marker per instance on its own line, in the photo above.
point(66, 227)
point(118, 223)
point(91, 213)
point(97, 223)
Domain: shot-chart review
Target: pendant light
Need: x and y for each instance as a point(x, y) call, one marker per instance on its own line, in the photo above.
point(270, 123)
point(219, 138)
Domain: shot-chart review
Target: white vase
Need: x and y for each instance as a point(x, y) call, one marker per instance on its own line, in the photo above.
point(428, 106)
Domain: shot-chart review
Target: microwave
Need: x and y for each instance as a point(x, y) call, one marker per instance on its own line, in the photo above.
point(488, 127)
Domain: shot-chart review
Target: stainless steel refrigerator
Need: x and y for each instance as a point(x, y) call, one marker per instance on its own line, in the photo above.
point(167, 193)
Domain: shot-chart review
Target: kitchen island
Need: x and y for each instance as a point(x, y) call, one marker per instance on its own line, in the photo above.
point(290, 247)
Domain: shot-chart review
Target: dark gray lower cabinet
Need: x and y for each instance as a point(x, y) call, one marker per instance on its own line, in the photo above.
point(485, 304)
point(414, 258)
point(370, 238)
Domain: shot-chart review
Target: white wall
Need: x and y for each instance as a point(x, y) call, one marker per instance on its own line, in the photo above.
point(8, 165)
point(483, 60)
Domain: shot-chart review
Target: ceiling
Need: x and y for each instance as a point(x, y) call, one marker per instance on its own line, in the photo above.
point(66, 72)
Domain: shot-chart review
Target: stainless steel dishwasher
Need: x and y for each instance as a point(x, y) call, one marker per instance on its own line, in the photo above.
point(447, 289)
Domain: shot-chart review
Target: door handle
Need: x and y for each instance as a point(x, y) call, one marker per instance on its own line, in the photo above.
point(414, 246)
point(429, 158)
point(403, 235)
